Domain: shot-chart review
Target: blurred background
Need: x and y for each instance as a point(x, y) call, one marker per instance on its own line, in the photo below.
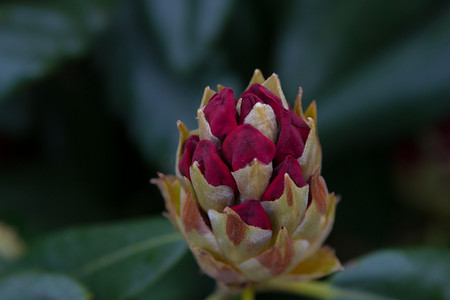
point(90, 92)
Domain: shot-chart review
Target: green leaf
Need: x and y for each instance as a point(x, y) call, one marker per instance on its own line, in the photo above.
point(406, 86)
point(399, 274)
point(118, 261)
point(183, 281)
point(393, 73)
point(37, 36)
point(149, 97)
point(385, 275)
point(186, 29)
point(33, 285)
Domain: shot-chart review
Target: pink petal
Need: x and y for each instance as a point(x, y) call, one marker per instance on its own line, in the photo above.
point(210, 163)
point(244, 144)
point(186, 158)
point(276, 188)
point(221, 113)
point(253, 214)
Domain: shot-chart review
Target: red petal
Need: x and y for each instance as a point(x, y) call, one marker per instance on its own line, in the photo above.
point(210, 163)
point(267, 97)
point(248, 101)
point(244, 144)
point(221, 114)
point(300, 125)
point(290, 141)
point(186, 158)
point(253, 214)
point(276, 188)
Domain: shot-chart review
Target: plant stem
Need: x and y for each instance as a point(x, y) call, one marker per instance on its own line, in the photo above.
point(318, 289)
point(248, 294)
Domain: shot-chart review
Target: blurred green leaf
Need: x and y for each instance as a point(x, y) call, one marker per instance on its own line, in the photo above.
point(399, 274)
point(37, 36)
point(389, 77)
point(186, 29)
point(149, 97)
point(406, 87)
point(321, 42)
point(184, 281)
point(33, 285)
point(118, 261)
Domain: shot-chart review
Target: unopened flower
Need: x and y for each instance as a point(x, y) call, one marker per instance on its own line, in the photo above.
point(247, 196)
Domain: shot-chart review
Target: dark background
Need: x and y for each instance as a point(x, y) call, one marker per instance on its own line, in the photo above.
point(90, 92)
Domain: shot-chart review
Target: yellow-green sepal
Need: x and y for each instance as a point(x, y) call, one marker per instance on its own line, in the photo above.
point(323, 262)
point(279, 258)
point(312, 153)
point(207, 95)
point(196, 232)
point(172, 190)
point(204, 130)
point(273, 84)
point(288, 210)
point(256, 78)
point(263, 118)
point(209, 196)
point(237, 240)
point(219, 270)
point(319, 217)
point(252, 180)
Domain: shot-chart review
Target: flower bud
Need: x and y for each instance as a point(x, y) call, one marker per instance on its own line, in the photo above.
point(221, 114)
point(248, 196)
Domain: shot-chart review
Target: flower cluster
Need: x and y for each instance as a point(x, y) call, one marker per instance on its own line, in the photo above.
point(248, 196)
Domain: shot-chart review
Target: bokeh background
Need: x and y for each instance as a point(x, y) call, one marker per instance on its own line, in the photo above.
point(90, 92)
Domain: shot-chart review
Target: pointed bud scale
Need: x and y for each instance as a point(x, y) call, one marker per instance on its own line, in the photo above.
point(221, 114)
point(210, 196)
point(252, 180)
point(286, 211)
point(194, 224)
point(273, 85)
point(312, 153)
point(238, 239)
point(246, 143)
point(289, 166)
point(204, 130)
point(248, 196)
point(263, 118)
point(259, 92)
point(186, 158)
point(275, 260)
point(257, 77)
point(313, 267)
point(207, 95)
point(212, 166)
point(247, 103)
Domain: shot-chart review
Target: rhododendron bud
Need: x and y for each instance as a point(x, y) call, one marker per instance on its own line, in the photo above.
point(221, 114)
point(248, 196)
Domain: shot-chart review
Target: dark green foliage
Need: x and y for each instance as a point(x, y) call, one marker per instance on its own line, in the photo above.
point(90, 92)
point(34, 285)
point(399, 274)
